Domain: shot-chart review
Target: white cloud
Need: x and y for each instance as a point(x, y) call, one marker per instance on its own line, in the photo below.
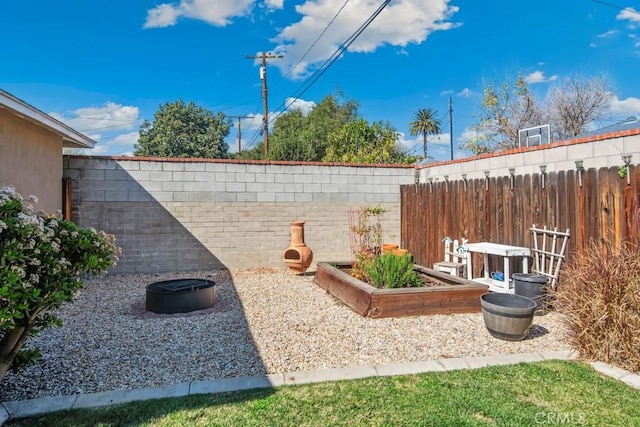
point(465, 93)
point(214, 12)
point(98, 149)
point(125, 139)
point(399, 24)
point(607, 34)
point(251, 123)
point(538, 77)
point(440, 139)
point(300, 104)
point(629, 14)
point(111, 116)
point(625, 107)
point(406, 145)
point(164, 15)
point(111, 119)
point(447, 92)
point(467, 135)
point(274, 4)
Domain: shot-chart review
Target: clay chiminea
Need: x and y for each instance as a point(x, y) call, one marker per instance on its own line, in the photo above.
point(298, 256)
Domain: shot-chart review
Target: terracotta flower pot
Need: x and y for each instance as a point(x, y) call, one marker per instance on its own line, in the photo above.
point(400, 252)
point(388, 247)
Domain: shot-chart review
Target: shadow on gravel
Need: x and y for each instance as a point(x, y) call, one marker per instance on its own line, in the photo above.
point(108, 340)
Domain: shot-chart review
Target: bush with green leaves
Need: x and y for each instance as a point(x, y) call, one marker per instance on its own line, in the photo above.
point(392, 271)
point(41, 259)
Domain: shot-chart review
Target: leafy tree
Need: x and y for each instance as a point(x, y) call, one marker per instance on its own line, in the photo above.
point(359, 142)
point(287, 142)
point(425, 123)
point(41, 259)
point(255, 153)
point(299, 137)
point(479, 144)
point(184, 130)
point(575, 103)
point(505, 109)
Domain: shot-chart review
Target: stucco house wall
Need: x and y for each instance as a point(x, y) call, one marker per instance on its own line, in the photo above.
point(31, 144)
point(31, 160)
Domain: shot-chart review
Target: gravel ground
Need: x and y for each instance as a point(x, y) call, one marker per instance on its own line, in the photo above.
point(264, 321)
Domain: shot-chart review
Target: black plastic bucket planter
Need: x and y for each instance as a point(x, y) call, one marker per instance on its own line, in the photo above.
point(507, 316)
point(532, 286)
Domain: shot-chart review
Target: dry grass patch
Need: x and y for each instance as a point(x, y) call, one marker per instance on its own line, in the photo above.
point(599, 296)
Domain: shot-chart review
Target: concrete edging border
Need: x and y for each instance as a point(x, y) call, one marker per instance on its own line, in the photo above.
point(33, 407)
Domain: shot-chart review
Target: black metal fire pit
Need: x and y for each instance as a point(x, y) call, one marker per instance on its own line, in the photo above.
point(180, 295)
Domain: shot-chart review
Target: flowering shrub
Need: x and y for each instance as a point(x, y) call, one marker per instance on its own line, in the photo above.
point(41, 257)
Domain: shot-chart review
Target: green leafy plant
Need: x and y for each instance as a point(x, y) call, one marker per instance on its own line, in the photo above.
point(623, 171)
point(41, 258)
point(392, 271)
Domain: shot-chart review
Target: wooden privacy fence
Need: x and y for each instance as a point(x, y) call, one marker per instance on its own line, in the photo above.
point(593, 204)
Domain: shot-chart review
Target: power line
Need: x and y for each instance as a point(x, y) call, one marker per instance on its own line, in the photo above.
point(334, 57)
point(254, 137)
point(316, 40)
point(323, 68)
point(627, 9)
point(109, 127)
point(94, 118)
point(434, 136)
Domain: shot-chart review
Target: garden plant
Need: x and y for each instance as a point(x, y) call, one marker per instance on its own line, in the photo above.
point(599, 296)
point(42, 258)
point(382, 270)
point(392, 271)
point(365, 232)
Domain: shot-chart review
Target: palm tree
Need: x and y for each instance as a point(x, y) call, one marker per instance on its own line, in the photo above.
point(425, 123)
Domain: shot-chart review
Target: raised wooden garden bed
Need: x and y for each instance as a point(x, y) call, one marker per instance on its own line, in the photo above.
point(443, 294)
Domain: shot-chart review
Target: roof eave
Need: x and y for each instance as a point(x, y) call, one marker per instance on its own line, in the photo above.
point(70, 136)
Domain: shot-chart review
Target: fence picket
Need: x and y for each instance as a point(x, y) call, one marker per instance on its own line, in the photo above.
point(603, 209)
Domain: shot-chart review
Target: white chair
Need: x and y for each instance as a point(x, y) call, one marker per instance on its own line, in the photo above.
point(548, 252)
point(455, 259)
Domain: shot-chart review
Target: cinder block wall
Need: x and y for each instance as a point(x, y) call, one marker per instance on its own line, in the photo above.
point(185, 214)
point(180, 215)
point(598, 151)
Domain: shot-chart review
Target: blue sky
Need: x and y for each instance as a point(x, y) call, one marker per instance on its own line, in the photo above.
point(104, 67)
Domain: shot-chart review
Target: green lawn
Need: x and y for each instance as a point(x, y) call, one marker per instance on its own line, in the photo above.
point(543, 393)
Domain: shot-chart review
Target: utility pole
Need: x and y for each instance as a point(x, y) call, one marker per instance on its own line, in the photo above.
point(240, 130)
point(451, 125)
point(263, 77)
